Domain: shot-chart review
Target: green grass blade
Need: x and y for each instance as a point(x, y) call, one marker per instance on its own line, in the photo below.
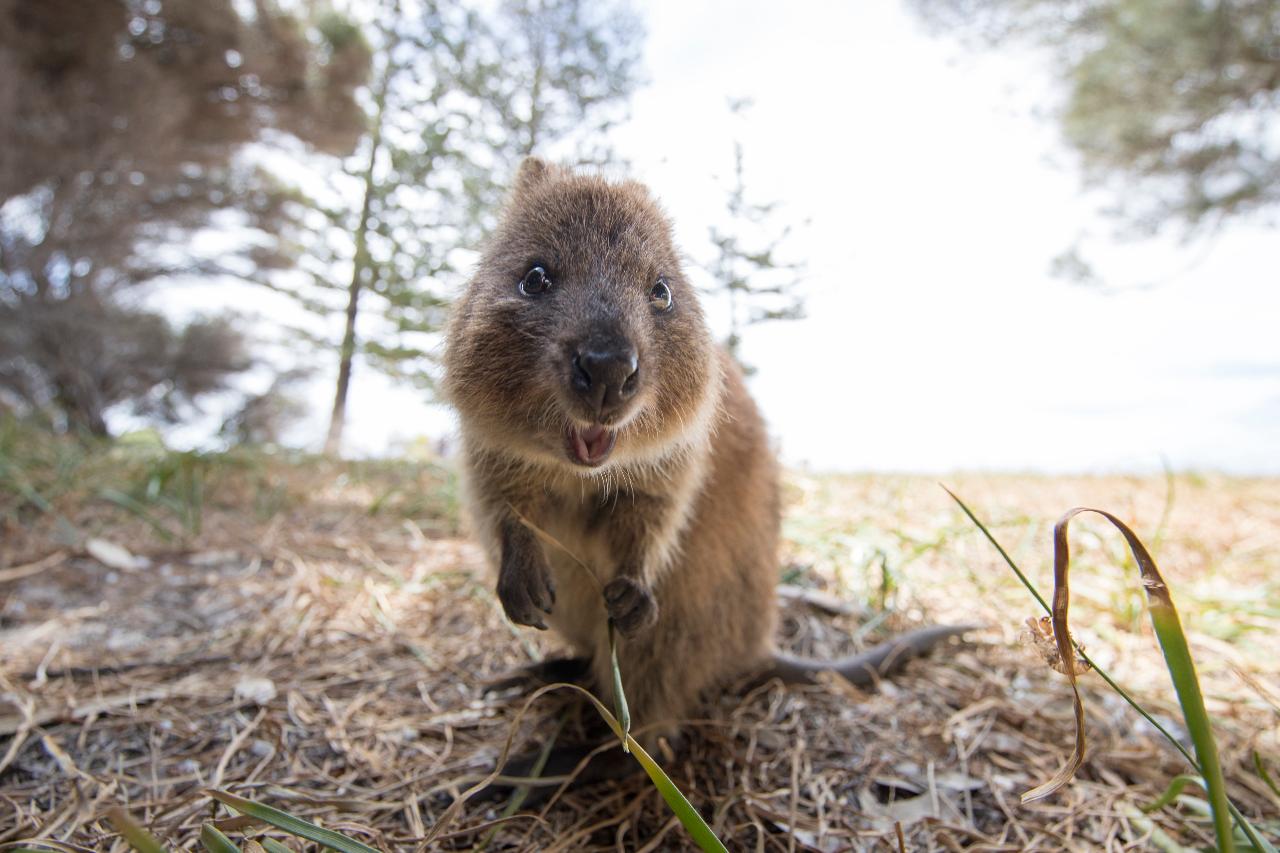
point(1031, 588)
point(214, 841)
point(1186, 684)
point(273, 846)
point(1182, 671)
point(1263, 774)
point(292, 825)
point(621, 709)
point(693, 823)
point(1171, 793)
point(131, 831)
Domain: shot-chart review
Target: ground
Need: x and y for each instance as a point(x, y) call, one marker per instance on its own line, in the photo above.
point(316, 636)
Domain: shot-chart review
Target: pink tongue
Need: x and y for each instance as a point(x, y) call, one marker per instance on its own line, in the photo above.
point(595, 439)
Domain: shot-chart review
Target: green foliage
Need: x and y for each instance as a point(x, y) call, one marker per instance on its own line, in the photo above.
point(1182, 96)
point(1176, 99)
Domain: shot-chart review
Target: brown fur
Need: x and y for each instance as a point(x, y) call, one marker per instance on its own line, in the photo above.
point(680, 525)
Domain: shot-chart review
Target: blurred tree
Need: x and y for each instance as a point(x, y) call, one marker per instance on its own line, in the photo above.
point(124, 124)
point(757, 286)
point(1178, 98)
point(81, 355)
point(457, 98)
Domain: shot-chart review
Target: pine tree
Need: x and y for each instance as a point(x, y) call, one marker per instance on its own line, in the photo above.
point(756, 284)
point(457, 98)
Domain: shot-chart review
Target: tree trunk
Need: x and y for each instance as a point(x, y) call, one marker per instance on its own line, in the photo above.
point(338, 417)
point(359, 269)
point(83, 413)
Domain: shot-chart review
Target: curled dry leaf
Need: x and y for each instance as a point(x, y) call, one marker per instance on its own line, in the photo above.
point(1039, 635)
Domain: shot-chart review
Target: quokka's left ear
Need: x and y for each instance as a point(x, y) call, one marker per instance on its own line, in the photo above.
point(532, 171)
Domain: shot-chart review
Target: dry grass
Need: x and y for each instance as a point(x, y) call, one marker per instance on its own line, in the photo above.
point(330, 661)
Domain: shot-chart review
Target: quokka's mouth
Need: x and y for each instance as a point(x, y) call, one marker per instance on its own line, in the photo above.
point(589, 446)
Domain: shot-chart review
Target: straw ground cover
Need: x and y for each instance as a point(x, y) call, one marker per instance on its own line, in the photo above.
point(316, 636)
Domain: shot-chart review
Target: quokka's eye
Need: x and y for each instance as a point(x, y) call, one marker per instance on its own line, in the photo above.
point(535, 282)
point(660, 297)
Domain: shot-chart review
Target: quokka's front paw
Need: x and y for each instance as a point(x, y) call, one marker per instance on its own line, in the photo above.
point(631, 606)
point(526, 591)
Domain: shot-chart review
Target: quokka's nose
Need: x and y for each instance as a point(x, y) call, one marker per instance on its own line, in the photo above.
point(606, 375)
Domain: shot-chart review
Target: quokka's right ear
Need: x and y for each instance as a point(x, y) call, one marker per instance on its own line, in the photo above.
point(532, 171)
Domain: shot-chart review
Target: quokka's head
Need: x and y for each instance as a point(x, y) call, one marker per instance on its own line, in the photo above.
point(579, 341)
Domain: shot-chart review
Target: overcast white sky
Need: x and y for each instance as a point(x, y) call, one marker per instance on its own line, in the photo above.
point(936, 338)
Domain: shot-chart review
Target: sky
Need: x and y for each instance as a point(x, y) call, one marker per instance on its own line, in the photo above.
point(937, 191)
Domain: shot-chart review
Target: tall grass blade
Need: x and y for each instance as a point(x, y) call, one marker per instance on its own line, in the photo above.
point(1178, 661)
point(1177, 656)
point(215, 842)
point(131, 831)
point(693, 823)
point(621, 709)
point(292, 825)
